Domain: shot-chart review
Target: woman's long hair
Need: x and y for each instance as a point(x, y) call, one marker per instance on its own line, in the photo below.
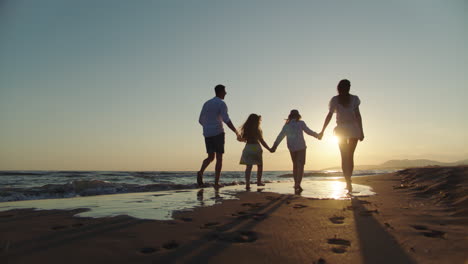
point(250, 130)
point(293, 115)
point(343, 92)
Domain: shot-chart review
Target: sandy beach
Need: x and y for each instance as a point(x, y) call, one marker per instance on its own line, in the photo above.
point(417, 216)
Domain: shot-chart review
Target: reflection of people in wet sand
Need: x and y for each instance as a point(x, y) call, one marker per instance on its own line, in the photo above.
point(212, 116)
point(349, 126)
point(293, 130)
point(251, 134)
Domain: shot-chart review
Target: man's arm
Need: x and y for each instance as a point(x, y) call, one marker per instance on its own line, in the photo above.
point(226, 119)
point(201, 119)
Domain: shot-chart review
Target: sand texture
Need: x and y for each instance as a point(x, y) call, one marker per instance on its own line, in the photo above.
point(418, 216)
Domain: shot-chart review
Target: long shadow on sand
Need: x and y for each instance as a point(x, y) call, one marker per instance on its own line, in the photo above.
point(376, 244)
point(201, 251)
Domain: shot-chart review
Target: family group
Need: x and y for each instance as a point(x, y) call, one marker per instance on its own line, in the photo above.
point(348, 130)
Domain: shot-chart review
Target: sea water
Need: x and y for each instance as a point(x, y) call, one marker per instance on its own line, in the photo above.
point(152, 195)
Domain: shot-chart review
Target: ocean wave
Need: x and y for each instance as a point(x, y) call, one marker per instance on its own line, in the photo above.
point(87, 188)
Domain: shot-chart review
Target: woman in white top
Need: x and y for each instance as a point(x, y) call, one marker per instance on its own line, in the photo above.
point(349, 126)
point(293, 131)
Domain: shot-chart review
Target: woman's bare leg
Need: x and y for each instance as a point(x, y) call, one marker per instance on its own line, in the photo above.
point(248, 171)
point(347, 148)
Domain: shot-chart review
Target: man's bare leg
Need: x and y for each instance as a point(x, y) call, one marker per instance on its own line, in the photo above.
point(218, 167)
point(205, 164)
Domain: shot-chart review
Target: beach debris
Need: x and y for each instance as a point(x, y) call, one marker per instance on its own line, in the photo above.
point(148, 250)
point(171, 245)
point(339, 241)
point(337, 219)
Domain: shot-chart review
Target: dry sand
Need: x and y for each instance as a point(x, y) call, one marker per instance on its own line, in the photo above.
point(418, 216)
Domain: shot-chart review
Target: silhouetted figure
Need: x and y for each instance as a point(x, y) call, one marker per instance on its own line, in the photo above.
point(212, 116)
point(251, 133)
point(349, 127)
point(293, 130)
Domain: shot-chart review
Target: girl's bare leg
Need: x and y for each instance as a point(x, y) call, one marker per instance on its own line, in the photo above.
point(300, 174)
point(259, 175)
point(248, 171)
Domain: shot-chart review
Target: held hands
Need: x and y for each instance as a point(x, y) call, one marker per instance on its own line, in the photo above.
point(320, 135)
point(272, 149)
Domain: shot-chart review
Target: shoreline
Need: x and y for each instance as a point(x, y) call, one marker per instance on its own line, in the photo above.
point(397, 225)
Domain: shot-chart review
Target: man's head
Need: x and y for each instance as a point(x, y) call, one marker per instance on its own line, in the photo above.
point(220, 91)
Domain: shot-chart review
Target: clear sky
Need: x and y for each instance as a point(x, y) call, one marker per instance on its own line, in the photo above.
point(119, 85)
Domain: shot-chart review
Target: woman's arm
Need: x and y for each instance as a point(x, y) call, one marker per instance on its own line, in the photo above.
point(359, 121)
point(327, 121)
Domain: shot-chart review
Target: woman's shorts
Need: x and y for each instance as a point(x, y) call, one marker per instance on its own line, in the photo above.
point(252, 155)
point(215, 144)
point(298, 156)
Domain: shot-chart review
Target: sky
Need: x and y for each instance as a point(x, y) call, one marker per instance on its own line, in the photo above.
point(119, 85)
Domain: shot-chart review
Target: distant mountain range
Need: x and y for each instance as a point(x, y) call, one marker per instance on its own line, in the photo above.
point(405, 163)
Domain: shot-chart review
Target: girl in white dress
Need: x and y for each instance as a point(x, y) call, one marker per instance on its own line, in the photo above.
point(251, 134)
point(348, 126)
point(294, 130)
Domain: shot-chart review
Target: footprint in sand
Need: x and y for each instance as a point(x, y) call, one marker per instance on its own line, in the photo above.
point(339, 241)
point(320, 261)
point(148, 250)
point(368, 212)
point(299, 206)
point(6, 216)
point(419, 227)
point(239, 237)
point(337, 219)
point(339, 250)
point(171, 245)
point(58, 227)
point(434, 234)
point(210, 224)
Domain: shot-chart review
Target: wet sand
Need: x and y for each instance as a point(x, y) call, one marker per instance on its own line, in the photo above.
point(418, 216)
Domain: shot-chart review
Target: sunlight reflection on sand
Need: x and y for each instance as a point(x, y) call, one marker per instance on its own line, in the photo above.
point(161, 205)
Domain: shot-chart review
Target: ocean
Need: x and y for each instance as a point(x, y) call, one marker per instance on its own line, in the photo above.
point(155, 195)
point(34, 185)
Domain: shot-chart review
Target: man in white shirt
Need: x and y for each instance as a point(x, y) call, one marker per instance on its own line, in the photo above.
point(212, 116)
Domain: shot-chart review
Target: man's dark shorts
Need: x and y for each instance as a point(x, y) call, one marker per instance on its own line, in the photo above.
point(215, 144)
